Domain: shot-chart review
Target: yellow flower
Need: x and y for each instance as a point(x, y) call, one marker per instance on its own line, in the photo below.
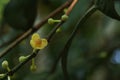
point(38, 43)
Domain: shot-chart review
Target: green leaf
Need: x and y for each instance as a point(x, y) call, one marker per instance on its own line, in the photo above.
point(108, 8)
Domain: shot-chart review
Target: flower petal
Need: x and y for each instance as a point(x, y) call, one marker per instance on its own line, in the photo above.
point(43, 45)
point(32, 43)
point(39, 47)
point(38, 43)
point(44, 42)
point(35, 36)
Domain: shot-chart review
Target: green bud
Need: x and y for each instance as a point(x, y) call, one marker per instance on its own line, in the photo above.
point(2, 75)
point(9, 77)
point(64, 17)
point(5, 64)
point(65, 10)
point(33, 68)
point(103, 55)
point(58, 30)
point(22, 58)
point(50, 21)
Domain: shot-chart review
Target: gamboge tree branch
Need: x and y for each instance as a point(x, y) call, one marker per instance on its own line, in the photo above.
point(34, 29)
point(64, 53)
point(33, 54)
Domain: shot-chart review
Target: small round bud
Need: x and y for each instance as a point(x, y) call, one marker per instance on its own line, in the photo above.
point(50, 21)
point(64, 17)
point(65, 10)
point(9, 77)
point(2, 75)
point(5, 64)
point(22, 58)
point(33, 68)
point(103, 55)
point(58, 30)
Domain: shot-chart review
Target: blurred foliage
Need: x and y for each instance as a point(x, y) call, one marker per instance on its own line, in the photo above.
point(84, 61)
point(2, 5)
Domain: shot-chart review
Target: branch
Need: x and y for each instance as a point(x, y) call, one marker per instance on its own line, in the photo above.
point(68, 43)
point(64, 52)
point(35, 28)
point(34, 54)
point(63, 55)
point(9, 41)
point(67, 13)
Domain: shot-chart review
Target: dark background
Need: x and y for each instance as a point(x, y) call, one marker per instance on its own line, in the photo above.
point(93, 54)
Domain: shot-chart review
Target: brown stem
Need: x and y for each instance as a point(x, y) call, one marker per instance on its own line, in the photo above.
point(35, 28)
point(16, 68)
point(71, 7)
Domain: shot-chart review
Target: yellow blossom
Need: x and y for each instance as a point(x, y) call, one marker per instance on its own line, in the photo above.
point(38, 43)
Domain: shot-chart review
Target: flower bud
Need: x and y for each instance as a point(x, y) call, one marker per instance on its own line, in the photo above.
point(64, 17)
point(5, 64)
point(2, 75)
point(65, 10)
point(22, 58)
point(33, 68)
point(58, 30)
point(50, 21)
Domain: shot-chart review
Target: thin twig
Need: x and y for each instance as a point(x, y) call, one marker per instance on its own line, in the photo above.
point(35, 28)
point(67, 13)
point(69, 42)
point(9, 41)
point(80, 22)
point(50, 35)
point(16, 68)
point(34, 54)
point(71, 7)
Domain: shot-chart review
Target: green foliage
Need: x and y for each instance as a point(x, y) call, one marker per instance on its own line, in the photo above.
point(89, 51)
point(108, 9)
point(2, 5)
